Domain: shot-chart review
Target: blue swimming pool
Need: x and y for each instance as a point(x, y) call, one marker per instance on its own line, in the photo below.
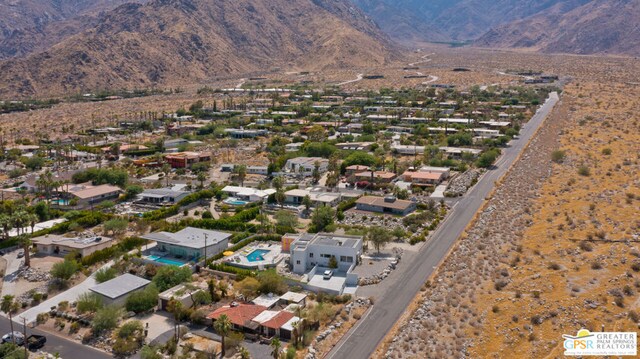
point(235, 202)
point(166, 260)
point(257, 255)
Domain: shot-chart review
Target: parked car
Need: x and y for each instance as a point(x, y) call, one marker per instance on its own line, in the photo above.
point(20, 254)
point(327, 274)
point(36, 341)
point(8, 338)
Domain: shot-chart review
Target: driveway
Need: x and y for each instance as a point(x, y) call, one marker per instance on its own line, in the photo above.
point(13, 267)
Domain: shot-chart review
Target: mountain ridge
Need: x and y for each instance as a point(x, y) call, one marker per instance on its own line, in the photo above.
point(171, 42)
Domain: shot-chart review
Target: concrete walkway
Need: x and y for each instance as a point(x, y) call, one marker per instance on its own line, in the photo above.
point(70, 295)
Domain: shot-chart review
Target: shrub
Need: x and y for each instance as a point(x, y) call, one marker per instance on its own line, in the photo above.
point(143, 300)
point(150, 352)
point(129, 338)
point(584, 171)
point(586, 246)
point(64, 270)
point(207, 215)
point(595, 265)
point(170, 276)
point(105, 274)
point(607, 151)
point(42, 318)
point(558, 156)
point(554, 266)
point(106, 319)
point(88, 302)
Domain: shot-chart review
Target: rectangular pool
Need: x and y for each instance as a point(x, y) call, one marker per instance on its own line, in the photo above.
point(173, 262)
point(257, 255)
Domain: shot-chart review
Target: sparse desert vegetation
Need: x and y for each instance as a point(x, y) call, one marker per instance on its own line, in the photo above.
point(555, 248)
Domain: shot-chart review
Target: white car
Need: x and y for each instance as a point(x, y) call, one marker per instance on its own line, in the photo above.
point(8, 338)
point(327, 274)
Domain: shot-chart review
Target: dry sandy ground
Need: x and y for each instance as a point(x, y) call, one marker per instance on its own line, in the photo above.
point(552, 251)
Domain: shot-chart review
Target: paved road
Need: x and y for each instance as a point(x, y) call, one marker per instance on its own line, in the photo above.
point(66, 348)
point(362, 340)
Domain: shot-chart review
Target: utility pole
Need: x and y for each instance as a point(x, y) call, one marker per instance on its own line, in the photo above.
point(24, 332)
point(205, 249)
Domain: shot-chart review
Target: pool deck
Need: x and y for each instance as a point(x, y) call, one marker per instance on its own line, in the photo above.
point(271, 259)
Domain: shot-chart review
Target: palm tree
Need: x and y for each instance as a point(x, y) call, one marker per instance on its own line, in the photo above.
point(276, 345)
point(9, 306)
point(6, 222)
point(223, 326)
point(25, 241)
point(202, 176)
point(166, 169)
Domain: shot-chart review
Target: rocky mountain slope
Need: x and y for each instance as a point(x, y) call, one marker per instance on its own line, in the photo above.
point(180, 41)
point(600, 26)
point(449, 20)
point(36, 14)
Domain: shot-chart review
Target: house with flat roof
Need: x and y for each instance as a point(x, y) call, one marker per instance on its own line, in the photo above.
point(310, 250)
point(377, 177)
point(318, 198)
point(182, 293)
point(190, 243)
point(258, 170)
point(187, 159)
point(117, 290)
point(88, 195)
point(306, 165)
point(353, 169)
point(57, 245)
point(387, 205)
point(247, 194)
point(162, 196)
point(423, 178)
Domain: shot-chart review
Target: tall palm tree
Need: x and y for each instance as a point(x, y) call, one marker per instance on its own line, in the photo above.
point(9, 306)
point(277, 346)
point(223, 326)
point(6, 222)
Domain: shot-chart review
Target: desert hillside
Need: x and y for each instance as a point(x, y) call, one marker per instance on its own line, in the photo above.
point(172, 42)
point(598, 27)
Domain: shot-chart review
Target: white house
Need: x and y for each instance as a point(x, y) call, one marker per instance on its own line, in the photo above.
point(310, 250)
point(306, 165)
point(248, 194)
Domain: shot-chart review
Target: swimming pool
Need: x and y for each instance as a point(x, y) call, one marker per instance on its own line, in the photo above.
point(257, 255)
point(60, 202)
point(235, 202)
point(166, 261)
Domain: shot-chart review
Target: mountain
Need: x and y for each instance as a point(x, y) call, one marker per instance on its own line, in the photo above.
point(167, 42)
point(29, 26)
point(35, 14)
point(600, 26)
point(449, 20)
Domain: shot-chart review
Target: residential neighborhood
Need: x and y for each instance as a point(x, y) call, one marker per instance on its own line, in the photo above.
point(248, 224)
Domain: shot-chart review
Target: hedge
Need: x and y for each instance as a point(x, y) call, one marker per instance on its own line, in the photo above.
point(239, 272)
point(345, 205)
point(102, 255)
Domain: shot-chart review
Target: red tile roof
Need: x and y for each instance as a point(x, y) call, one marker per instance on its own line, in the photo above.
point(278, 320)
point(238, 315)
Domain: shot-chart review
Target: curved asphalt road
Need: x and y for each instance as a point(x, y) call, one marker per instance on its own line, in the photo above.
point(362, 340)
point(66, 348)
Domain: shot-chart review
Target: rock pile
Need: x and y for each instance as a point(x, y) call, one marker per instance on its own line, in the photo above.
point(459, 185)
point(375, 279)
point(35, 275)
